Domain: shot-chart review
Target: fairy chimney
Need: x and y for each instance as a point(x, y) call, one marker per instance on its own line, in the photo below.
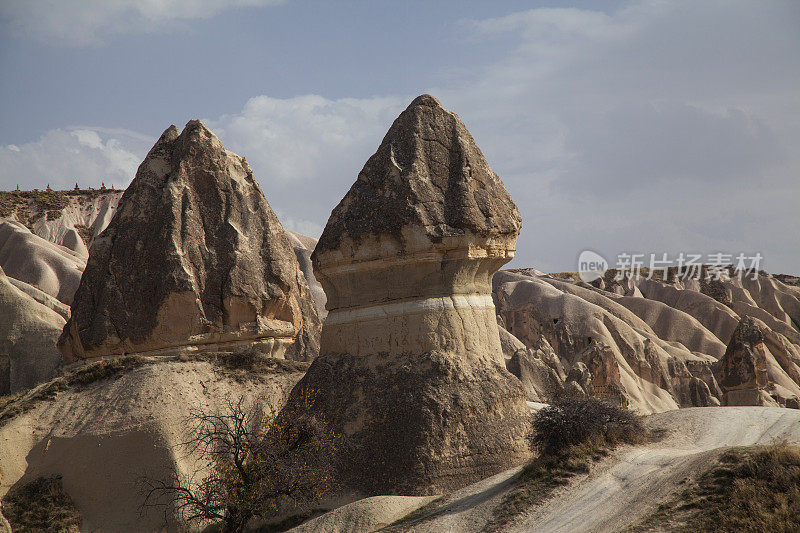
point(411, 372)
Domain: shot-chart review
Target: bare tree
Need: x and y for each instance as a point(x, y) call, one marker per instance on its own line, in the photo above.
point(256, 464)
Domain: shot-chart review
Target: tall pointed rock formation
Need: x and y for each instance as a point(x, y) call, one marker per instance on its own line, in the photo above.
point(194, 258)
point(411, 371)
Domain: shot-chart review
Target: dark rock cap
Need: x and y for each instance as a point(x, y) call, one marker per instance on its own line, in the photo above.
point(193, 251)
point(427, 172)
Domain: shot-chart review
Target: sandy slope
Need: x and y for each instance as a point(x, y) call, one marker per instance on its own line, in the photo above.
point(622, 494)
point(619, 492)
point(369, 514)
point(102, 438)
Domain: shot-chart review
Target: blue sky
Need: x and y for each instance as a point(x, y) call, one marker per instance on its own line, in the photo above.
point(647, 126)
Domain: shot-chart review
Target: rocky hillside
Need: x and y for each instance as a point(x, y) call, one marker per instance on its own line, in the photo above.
point(652, 344)
point(44, 241)
point(105, 426)
point(120, 313)
point(70, 218)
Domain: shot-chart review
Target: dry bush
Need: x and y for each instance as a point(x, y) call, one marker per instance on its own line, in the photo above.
point(50, 202)
point(576, 421)
point(261, 465)
point(244, 366)
point(570, 434)
point(85, 233)
point(10, 202)
point(41, 505)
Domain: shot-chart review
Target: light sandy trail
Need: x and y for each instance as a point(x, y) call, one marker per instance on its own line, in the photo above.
point(620, 491)
point(640, 478)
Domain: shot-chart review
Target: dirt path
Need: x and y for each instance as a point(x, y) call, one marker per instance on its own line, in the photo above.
point(620, 491)
point(641, 477)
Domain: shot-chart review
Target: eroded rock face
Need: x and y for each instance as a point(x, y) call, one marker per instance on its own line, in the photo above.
point(606, 350)
point(661, 343)
point(538, 367)
point(411, 369)
point(744, 365)
point(303, 245)
point(28, 333)
point(194, 258)
point(84, 217)
point(760, 367)
point(31, 259)
point(428, 182)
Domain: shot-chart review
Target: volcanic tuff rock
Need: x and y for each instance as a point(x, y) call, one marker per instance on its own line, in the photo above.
point(303, 247)
point(420, 188)
point(653, 344)
point(86, 215)
point(411, 368)
point(760, 367)
point(104, 437)
point(31, 259)
point(28, 334)
point(193, 258)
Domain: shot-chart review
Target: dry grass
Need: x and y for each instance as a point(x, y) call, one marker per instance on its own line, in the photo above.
point(750, 489)
point(41, 506)
point(91, 372)
point(241, 367)
point(542, 476)
point(246, 365)
point(565, 275)
point(30, 206)
point(10, 202)
point(85, 232)
point(50, 202)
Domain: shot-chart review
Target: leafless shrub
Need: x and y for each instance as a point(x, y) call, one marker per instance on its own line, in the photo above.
point(571, 421)
point(257, 465)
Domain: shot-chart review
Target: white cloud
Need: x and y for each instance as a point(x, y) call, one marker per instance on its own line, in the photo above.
point(83, 22)
point(306, 138)
point(662, 127)
point(63, 156)
point(306, 151)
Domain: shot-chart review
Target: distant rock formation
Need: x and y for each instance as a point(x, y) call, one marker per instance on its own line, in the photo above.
point(538, 368)
point(68, 218)
point(303, 247)
point(759, 367)
point(194, 258)
point(85, 216)
point(411, 370)
point(28, 334)
point(652, 344)
point(31, 259)
point(628, 363)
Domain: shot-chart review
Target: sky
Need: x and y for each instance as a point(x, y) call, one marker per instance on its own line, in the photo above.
point(617, 126)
